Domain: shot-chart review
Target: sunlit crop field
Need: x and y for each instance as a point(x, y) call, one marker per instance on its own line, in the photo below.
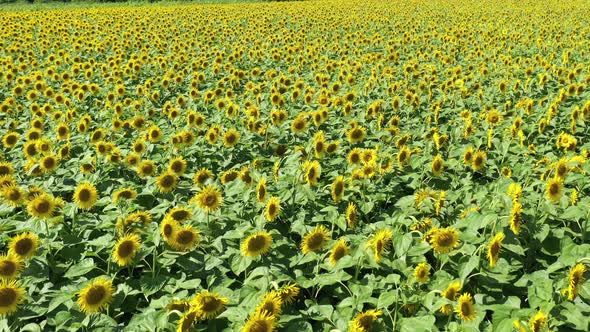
point(308, 166)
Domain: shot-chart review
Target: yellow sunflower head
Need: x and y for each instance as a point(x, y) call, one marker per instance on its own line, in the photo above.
point(315, 240)
point(11, 295)
point(85, 195)
point(125, 249)
point(256, 244)
point(209, 199)
point(96, 296)
point(23, 245)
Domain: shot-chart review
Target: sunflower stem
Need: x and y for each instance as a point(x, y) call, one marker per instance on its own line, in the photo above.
point(154, 262)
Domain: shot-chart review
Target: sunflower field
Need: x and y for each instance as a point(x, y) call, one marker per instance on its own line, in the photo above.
point(355, 166)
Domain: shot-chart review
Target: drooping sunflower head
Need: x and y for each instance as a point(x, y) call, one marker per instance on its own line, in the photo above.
point(575, 280)
point(465, 308)
point(229, 176)
point(363, 322)
point(256, 244)
point(273, 208)
point(23, 245)
point(11, 295)
point(315, 240)
point(208, 305)
point(209, 199)
point(187, 320)
point(125, 249)
point(339, 250)
point(96, 296)
point(85, 195)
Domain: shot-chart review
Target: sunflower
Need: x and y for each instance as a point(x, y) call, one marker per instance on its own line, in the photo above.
point(289, 293)
point(202, 176)
point(168, 227)
point(229, 176)
point(575, 281)
point(231, 138)
point(315, 240)
point(85, 195)
point(10, 266)
point(48, 163)
point(494, 248)
point(351, 215)
point(24, 245)
point(479, 160)
point(208, 305)
point(468, 156)
point(465, 308)
point(13, 195)
point(261, 190)
point(339, 250)
point(444, 240)
point(379, 243)
point(11, 295)
point(179, 214)
point(184, 238)
point(260, 322)
point(124, 194)
point(178, 305)
point(554, 189)
point(96, 296)
point(187, 320)
point(208, 199)
point(516, 217)
point(538, 322)
point(138, 146)
point(271, 304)
point(422, 272)
point(337, 188)
point(273, 208)
point(313, 171)
point(146, 168)
point(125, 249)
point(354, 156)
point(42, 206)
point(450, 293)
point(437, 165)
point(403, 155)
point(356, 134)
point(6, 168)
point(299, 124)
point(10, 139)
point(177, 166)
point(363, 322)
point(166, 182)
point(256, 244)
